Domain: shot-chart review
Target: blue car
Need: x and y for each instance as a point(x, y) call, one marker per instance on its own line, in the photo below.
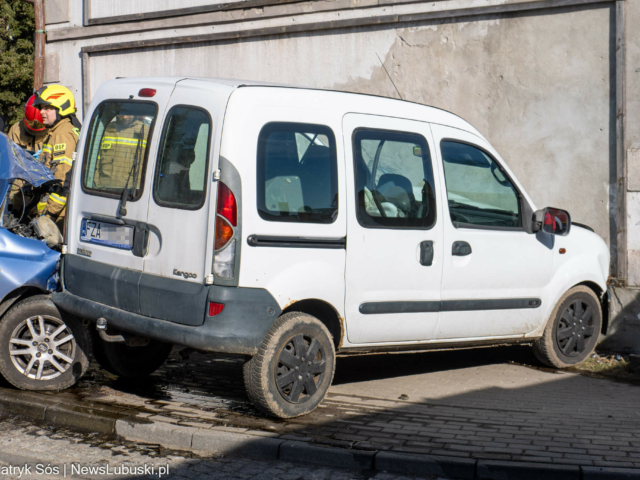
point(40, 349)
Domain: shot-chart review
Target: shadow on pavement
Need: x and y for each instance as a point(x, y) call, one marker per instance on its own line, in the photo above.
point(480, 404)
point(529, 415)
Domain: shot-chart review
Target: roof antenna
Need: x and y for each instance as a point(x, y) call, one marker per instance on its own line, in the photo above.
point(385, 69)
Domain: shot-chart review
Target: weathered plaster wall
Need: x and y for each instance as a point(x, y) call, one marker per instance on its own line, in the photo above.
point(632, 141)
point(112, 8)
point(625, 302)
point(537, 86)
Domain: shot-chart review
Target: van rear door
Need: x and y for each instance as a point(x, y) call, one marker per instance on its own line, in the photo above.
point(182, 204)
point(106, 247)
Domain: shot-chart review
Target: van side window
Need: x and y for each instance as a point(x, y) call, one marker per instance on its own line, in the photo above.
point(181, 171)
point(395, 187)
point(120, 133)
point(297, 173)
point(478, 191)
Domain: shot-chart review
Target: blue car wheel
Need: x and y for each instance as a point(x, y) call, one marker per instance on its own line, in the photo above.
point(40, 349)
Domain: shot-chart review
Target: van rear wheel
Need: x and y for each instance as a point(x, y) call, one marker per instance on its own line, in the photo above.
point(131, 361)
point(40, 349)
point(572, 331)
point(293, 369)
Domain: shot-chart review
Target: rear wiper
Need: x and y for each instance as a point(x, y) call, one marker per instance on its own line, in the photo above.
point(122, 209)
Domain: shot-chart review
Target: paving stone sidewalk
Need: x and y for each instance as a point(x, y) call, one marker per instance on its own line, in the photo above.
point(78, 456)
point(565, 419)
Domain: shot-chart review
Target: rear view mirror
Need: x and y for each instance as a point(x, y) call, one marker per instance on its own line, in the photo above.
point(554, 221)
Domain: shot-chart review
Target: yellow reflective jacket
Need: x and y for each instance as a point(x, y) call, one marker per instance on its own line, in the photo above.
point(117, 152)
point(57, 153)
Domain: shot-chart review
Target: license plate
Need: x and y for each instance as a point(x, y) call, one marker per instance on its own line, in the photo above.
point(108, 234)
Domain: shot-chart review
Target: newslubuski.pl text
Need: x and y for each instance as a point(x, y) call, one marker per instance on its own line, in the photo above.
point(16, 471)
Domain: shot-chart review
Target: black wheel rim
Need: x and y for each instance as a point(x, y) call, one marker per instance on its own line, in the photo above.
point(575, 329)
point(300, 368)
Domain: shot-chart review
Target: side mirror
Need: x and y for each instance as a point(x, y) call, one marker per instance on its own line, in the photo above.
point(552, 221)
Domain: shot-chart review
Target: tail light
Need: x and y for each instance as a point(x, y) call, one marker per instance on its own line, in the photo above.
point(227, 204)
point(224, 233)
point(215, 308)
point(225, 244)
point(227, 216)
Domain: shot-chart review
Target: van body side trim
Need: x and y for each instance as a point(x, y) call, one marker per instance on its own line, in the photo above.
point(377, 308)
point(296, 242)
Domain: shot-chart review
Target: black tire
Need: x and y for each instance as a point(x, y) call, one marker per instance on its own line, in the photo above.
point(58, 360)
point(246, 375)
point(272, 383)
point(128, 361)
point(572, 331)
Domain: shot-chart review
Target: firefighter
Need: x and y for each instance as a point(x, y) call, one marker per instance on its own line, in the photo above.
point(30, 132)
point(58, 107)
point(124, 138)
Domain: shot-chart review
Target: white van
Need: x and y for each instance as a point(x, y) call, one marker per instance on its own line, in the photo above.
point(290, 225)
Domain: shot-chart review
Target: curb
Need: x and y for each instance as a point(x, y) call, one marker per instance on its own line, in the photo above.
point(221, 442)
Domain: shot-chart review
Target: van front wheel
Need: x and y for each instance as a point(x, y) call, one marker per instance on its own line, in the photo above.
point(293, 369)
point(572, 331)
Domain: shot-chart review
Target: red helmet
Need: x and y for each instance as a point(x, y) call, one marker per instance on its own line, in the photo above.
point(32, 118)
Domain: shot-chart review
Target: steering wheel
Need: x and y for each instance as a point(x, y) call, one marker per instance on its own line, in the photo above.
point(375, 195)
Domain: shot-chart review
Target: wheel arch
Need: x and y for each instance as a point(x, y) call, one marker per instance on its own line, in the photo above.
point(16, 295)
point(323, 311)
point(603, 296)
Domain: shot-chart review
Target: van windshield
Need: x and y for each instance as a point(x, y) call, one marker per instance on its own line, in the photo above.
point(116, 148)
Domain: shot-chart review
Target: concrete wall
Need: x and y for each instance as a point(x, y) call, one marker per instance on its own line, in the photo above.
point(548, 115)
point(632, 139)
point(625, 302)
point(112, 8)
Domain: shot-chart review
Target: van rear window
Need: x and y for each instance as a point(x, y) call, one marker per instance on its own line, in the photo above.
point(297, 173)
point(117, 148)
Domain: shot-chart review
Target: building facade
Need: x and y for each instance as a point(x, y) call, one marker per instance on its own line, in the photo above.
point(554, 85)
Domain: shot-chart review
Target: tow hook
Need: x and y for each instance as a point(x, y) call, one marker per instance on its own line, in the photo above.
point(101, 327)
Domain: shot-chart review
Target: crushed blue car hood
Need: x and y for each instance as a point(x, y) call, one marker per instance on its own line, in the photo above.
point(16, 163)
point(24, 262)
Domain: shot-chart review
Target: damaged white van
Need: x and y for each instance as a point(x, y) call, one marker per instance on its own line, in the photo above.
point(290, 225)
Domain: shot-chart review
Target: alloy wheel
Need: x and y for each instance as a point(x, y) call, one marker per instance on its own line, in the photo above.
point(42, 347)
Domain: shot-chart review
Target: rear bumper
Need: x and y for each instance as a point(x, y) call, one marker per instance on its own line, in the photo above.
point(239, 331)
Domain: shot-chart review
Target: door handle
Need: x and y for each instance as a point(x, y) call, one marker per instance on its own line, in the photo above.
point(141, 240)
point(461, 249)
point(426, 253)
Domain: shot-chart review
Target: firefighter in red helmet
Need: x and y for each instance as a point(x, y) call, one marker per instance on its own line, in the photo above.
point(30, 132)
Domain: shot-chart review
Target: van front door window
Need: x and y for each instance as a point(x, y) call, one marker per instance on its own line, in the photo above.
point(478, 191)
